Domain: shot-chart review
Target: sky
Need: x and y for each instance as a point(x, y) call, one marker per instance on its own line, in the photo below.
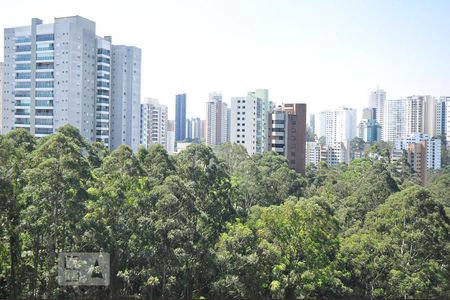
point(321, 52)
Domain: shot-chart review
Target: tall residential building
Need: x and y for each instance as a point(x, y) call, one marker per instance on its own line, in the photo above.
point(433, 148)
point(447, 114)
point(249, 119)
point(188, 130)
point(180, 117)
point(416, 155)
point(62, 73)
point(103, 103)
point(171, 141)
point(50, 78)
point(287, 134)
point(126, 96)
point(311, 122)
point(441, 116)
point(196, 128)
point(243, 122)
point(203, 130)
point(312, 153)
point(421, 115)
point(337, 126)
point(335, 154)
point(369, 130)
point(263, 109)
point(216, 120)
point(368, 113)
point(394, 120)
point(430, 121)
point(1, 95)
point(377, 100)
point(153, 123)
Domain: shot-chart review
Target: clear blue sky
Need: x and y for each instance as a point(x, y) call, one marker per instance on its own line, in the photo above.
point(324, 53)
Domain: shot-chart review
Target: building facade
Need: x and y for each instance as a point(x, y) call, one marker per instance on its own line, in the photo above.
point(441, 116)
point(312, 153)
point(287, 134)
point(432, 147)
point(377, 100)
point(1, 95)
point(217, 114)
point(126, 96)
point(63, 73)
point(153, 123)
point(171, 140)
point(180, 117)
point(394, 120)
point(249, 121)
point(337, 126)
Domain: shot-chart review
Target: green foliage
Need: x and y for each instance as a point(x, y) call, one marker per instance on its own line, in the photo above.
point(220, 223)
point(283, 251)
point(401, 251)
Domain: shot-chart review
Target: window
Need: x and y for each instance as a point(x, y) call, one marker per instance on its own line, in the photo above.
point(45, 37)
point(25, 48)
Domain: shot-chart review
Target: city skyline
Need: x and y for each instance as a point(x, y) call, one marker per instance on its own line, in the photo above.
point(321, 53)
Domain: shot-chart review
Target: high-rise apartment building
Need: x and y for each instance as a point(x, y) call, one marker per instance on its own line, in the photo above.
point(416, 155)
point(335, 154)
point(196, 129)
point(126, 96)
point(433, 148)
point(62, 73)
point(180, 117)
point(394, 120)
point(421, 115)
point(312, 153)
point(287, 134)
point(430, 122)
point(153, 123)
point(447, 117)
point(216, 120)
point(103, 103)
point(377, 100)
point(369, 130)
point(1, 95)
point(249, 121)
point(337, 126)
point(441, 116)
point(188, 130)
point(171, 141)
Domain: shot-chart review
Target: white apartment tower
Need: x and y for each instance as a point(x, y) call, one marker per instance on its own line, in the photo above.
point(394, 120)
point(337, 126)
point(441, 116)
point(433, 147)
point(243, 122)
point(103, 86)
point(153, 123)
point(60, 73)
point(377, 100)
point(1, 95)
point(216, 120)
point(421, 115)
point(249, 119)
point(312, 153)
point(126, 94)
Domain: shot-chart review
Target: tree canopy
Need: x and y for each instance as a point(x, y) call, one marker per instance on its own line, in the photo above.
point(217, 223)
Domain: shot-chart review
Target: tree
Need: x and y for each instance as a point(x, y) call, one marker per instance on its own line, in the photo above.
point(232, 154)
point(283, 251)
point(15, 149)
point(402, 250)
point(55, 195)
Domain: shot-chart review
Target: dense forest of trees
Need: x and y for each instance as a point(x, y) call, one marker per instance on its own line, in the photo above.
point(217, 223)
